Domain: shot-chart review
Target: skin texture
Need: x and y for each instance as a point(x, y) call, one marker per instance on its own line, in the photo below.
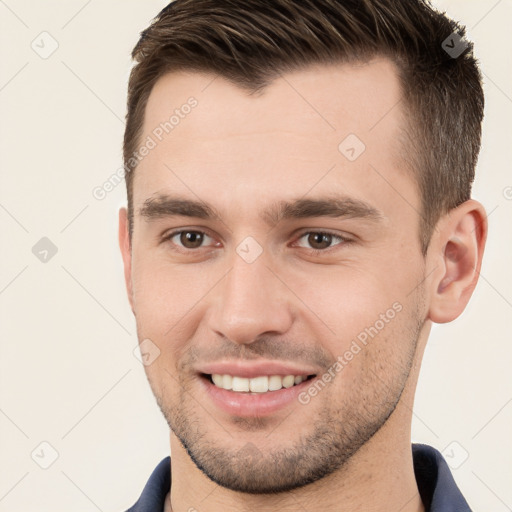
point(241, 154)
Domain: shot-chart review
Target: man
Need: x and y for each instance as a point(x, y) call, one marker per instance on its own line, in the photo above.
point(299, 213)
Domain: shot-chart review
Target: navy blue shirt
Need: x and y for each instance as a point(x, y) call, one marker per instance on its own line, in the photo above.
point(438, 490)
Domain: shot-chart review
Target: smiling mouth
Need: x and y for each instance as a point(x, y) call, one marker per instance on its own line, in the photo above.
point(260, 384)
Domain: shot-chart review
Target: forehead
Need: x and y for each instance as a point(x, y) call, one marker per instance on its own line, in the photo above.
point(210, 135)
point(319, 100)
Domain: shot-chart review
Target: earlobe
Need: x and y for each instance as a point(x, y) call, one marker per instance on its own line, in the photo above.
point(459, 244)
point(125, 247)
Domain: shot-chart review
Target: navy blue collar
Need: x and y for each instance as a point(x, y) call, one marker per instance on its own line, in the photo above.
point(436, 485)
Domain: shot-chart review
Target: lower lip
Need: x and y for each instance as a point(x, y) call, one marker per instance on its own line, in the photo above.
point(249, 405)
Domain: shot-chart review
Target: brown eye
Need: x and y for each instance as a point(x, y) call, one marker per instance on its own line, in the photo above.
point(191, 239)
point(319, 240)
point(188, 239)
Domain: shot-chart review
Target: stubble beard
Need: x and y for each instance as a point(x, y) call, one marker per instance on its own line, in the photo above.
point(336, 434)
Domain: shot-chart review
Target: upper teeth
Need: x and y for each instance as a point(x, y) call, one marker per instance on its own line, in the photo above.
point(257, 384)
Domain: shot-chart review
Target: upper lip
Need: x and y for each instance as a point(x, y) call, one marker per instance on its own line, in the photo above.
point(255, 368)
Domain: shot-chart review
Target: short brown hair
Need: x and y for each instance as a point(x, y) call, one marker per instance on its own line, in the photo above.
point(251, 42)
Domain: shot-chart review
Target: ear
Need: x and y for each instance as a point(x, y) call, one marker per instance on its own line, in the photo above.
point(126, 253)
point(458, 248)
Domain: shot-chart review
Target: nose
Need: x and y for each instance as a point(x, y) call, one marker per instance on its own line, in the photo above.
point(251, 302)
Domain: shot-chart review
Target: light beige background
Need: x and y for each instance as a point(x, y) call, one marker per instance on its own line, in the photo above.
point(68, 374)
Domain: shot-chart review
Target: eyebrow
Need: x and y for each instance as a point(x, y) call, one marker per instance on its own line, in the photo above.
point(163, 205)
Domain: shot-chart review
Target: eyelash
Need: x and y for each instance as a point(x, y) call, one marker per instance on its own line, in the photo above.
point(342, 240)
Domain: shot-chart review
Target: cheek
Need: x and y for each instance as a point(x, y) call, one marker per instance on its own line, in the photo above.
point(163, 293)
point(369, 309)
point(377, 360)
point(347, 298)
point(169, 304)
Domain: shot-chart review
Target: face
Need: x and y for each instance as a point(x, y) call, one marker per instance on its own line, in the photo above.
point(271, 248)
